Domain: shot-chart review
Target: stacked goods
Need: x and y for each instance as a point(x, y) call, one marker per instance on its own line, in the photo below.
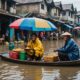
point(18, 42)
point(18, 53)
point(22, 55)
point(18, 50)
point(52, 57)
point(15, 42)
point(6, 43)
point(13, 55)
point(21, 42)
point(11, 46)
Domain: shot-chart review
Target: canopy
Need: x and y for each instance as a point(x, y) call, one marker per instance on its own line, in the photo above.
point(33, 24)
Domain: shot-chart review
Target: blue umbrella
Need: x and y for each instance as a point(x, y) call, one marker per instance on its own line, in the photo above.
point(33, 24)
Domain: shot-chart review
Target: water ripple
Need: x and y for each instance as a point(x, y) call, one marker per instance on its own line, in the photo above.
point(10, 73)
point(51, 75)
point(77, 77)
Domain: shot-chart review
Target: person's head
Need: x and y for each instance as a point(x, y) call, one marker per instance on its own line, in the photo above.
point(66, 36)
point(33, 36)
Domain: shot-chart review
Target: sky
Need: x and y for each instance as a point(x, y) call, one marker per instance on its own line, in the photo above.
point(76, 3)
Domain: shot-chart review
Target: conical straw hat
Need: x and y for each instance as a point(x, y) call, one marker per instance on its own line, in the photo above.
point(66, 34)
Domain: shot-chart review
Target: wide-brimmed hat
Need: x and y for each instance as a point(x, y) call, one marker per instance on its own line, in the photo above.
point(66, 34)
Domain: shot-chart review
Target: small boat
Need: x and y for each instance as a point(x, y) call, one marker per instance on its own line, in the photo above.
point(5, 57)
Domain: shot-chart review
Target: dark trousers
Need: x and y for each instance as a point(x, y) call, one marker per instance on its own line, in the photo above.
point(63, 56)
point(33, 57)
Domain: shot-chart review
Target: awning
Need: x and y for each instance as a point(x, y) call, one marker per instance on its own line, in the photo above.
point(58, 21)
point(68, 26)
point(62, 23)
point(9, 14)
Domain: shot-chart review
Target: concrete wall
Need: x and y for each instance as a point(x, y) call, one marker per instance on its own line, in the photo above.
point(43, 11)
point(55, 12)
point(68, 17)
point(78, 19)
point(28, 8)
point(35, 7)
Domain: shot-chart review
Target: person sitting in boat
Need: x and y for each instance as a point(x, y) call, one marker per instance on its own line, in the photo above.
point(34, 48)
point(70, 50)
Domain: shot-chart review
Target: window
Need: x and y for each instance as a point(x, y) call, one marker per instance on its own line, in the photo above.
point(42, 6)
point(3, 4)
point(8, 6)
point(64, 13)
point(69, 13)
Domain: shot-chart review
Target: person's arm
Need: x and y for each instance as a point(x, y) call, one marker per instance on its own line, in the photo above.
point(66, 48)
point(28, 44)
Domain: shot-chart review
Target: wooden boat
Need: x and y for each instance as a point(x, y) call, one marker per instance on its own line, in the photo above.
point(5, 57)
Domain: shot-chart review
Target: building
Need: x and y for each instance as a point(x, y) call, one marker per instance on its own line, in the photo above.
point(47, 9)
point(7, 6)
point(50, 5)
point(7, 15)
point(56, 10)
point(78, 18)
point(61, 14)
point(68, 14)
point(36, 8)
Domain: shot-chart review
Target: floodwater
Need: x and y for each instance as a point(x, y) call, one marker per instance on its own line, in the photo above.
point(12, 71)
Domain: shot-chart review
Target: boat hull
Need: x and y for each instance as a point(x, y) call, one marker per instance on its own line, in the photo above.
point(42, 63)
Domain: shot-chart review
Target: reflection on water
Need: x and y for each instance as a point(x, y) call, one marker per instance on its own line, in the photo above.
point(11, 71)
point(50, 75)
point(77, 77)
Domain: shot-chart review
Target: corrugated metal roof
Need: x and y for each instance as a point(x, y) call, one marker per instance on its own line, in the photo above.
point(28, 1)
point(67, 6)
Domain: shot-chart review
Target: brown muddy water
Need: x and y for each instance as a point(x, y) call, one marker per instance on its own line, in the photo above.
point(12, 71)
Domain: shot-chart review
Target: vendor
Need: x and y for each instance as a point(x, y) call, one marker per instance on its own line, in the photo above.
point(34, 48)
point(70, 50)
